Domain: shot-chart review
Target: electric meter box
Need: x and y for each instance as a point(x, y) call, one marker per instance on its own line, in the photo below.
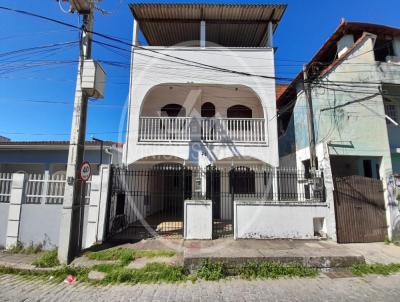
point(93, 79)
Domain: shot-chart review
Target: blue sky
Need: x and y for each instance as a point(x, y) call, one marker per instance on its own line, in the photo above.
point(28, 95)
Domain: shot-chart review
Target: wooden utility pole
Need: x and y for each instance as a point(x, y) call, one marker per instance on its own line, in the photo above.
point(310, 122)
point(71, 225)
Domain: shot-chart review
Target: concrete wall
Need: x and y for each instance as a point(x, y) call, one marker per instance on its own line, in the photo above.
point(198, 222)
point(3, 223)
point(264, 220)
point(40, 223)
point(153, 72)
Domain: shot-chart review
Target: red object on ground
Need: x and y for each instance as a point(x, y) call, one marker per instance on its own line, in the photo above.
point(70, 279)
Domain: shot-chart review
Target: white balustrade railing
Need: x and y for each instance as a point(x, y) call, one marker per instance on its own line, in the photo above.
point(184, 129)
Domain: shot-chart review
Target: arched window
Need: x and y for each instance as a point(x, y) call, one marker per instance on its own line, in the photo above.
point(239, 111)
point(173, 110)
point(242, 181)
point(208, 110)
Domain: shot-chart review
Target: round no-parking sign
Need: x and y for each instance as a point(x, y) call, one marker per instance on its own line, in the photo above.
point(86, 171)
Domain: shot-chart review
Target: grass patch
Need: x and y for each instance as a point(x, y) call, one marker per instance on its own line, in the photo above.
point(125, 255)
point(378, 269)
point(19, 248)
point(274, 270)
point(54, 276)
point(151, 273)
point(212, 271)
point(47, 259)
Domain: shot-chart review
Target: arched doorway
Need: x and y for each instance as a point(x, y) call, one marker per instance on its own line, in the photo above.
point(207, 121)
point(173, 110)
point(208, 110)
point(239, 111)
point(239, 125)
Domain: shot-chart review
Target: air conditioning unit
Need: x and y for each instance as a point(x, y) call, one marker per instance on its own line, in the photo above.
point(93, 79)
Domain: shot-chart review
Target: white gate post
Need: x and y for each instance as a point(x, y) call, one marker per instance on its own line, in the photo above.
point(14, 212)
point(329, 192)
point(98, 207)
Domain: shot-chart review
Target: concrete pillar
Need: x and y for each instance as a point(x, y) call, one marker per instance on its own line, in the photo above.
point(135, 41)
point(98, 206)
point(14, 212)
point(329, 190)
point(270, 42)
point(275, 186)
point(45, 186)
point(202, 34)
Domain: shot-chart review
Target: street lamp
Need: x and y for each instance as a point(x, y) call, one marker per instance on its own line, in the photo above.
point(101, 147)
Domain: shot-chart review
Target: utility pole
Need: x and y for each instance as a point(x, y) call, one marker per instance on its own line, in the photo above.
point(71, 225)
point(310, 122)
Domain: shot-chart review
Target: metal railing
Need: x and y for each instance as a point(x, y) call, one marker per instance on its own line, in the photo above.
point(49, 189)
point(5, 187)
point(184, 129)
point(146, 202)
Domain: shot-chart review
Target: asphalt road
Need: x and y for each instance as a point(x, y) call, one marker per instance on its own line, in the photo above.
point(371, 288)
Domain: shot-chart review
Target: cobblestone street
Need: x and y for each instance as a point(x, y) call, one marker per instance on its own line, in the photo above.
point(371, 288)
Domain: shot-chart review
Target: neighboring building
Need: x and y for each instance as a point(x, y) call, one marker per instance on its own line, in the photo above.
point(355, 79)
point(40, 156)
point(4, 139)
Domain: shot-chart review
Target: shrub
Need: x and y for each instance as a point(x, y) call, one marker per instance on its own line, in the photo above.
point(47, 259)
point(274, 270)
point(211, 270)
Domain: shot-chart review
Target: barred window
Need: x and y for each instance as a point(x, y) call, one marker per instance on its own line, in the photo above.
point(391, 111)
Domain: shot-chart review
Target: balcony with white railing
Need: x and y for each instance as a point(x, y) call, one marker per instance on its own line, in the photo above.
point(210, 130)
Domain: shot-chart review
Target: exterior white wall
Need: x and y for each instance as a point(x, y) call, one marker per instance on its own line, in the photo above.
point(198, 219)
point(149, 72)
point(3, 223)
point(265, 220)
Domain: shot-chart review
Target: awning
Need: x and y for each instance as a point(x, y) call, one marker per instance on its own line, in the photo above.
point(229, 25)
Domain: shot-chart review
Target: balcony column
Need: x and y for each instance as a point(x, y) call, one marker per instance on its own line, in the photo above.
point(203, 34)
point(270, 29)
point(135, 42)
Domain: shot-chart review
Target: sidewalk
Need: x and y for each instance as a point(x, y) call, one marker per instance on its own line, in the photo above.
point(320, 254)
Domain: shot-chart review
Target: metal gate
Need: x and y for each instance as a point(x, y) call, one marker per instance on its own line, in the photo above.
point(218, 190)
point(359, 210)
point(148, 203)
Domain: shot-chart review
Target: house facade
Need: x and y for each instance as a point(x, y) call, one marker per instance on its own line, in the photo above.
point(191, 98)
point(39, 157)
point(202, 132)
point(355, 94)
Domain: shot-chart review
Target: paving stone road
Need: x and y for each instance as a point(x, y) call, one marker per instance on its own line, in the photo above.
point(371, 288)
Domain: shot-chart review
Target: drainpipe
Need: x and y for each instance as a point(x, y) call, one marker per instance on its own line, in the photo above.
point(108, 151)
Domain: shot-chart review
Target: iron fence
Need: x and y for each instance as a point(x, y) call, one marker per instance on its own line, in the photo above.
point(149, 202)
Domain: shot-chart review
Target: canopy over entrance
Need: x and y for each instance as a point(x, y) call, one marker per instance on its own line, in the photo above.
point(229, 25)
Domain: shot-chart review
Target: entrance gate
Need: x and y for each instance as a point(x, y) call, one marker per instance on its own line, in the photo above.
point(359, 209)
point(149, 203)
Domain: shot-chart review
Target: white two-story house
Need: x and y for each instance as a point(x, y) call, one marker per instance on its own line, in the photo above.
point(202, 95)
point(194, 97)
